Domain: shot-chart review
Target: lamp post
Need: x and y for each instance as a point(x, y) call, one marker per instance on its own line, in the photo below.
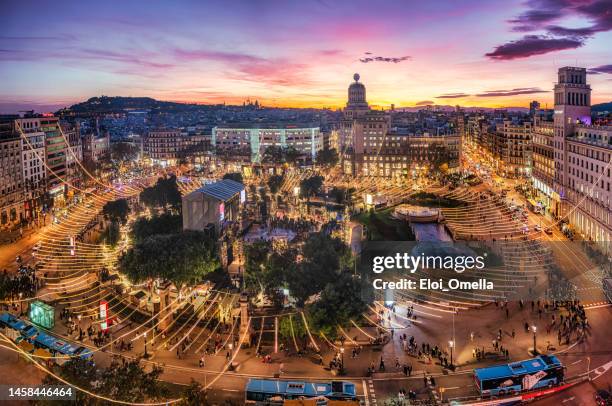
point(451, 345)
point(20, 303)
point(342, 359)
point(145, 345)
point(535, 351)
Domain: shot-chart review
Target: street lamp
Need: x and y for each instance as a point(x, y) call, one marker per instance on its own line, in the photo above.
point(145, 345)
point(535, 351)
point(451, 345)
point(342, 359)
point(20, 303)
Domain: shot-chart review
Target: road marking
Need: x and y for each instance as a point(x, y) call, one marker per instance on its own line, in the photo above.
point(372, 393)
point(365, 393)
point(597, 306)
point(568, 399)
point(577, 362)
point(452, 387)
point(231, 390)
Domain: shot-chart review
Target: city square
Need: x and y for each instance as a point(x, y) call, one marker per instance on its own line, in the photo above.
point(262, 252)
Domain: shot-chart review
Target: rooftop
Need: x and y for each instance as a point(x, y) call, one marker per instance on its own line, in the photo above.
point(222, 190)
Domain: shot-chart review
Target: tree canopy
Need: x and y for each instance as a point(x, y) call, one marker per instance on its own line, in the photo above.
point(275, 182)
point(117, 210)
point(311, 186)
point(126, 381)
point(163, 194)
point(327, 156)
point(235, 176)
point(165, 223)
point(181, 258)
point(340, 302)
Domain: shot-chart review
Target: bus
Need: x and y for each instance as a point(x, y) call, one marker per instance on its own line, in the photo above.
point(607, 288)
point(271, 390)
point(539, 372)
point(18, 329)
point(22, 330)
point(59, 346)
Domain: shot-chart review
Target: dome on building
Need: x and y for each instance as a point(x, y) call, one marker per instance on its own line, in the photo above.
point(356, 93)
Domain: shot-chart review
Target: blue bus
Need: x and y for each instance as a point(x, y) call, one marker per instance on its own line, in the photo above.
point(267, 390)
point(59, 346)
point(40, 339)
point(24, 329)
point(539, 372)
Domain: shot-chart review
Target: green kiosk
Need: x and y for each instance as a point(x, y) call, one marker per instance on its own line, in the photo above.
point(42, 314)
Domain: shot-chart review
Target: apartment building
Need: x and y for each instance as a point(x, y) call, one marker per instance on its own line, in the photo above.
point(11, 175)
point(246, 139)
point(163, 146)
point(512, 147)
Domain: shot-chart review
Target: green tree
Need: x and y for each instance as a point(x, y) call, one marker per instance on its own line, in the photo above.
point(275, 182)
point(311, 186)
point(181, 258)
point(193, 395)
point(80, 373)
point(273, 154)
point(235, 176)
point(127, 381)
point(285, 326)
point(163, 194)
point(292, 155)
point(166, 223)
point(327, 157)
point(111, 234)
point(117, 210)
point(324, 258)
point(340, 302)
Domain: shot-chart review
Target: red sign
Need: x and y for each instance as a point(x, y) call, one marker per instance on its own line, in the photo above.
point(103, 315)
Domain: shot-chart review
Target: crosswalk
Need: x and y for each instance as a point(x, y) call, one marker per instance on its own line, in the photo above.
point(368, 392)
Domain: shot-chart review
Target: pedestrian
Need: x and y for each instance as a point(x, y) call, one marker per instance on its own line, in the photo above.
point(202, 362)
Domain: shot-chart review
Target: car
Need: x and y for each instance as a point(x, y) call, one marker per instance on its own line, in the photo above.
point(603, 398)
point(548, 230)
point(537, 228)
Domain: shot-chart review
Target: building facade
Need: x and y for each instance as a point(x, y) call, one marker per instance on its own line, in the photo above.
point(11, 176)
point(543, 163)
point(163, 146)
point(213, 205)
point(371, 146)
point(512, 147)
point(245, 139)
point(582, 160)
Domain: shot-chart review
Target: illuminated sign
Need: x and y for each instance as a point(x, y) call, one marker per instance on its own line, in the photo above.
point(104, 315)
point(221, 211)
point(242, 196)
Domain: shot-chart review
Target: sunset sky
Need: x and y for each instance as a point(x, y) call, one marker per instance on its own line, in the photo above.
point(300, 53)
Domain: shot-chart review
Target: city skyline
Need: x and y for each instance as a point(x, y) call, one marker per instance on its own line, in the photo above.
point(302, 54)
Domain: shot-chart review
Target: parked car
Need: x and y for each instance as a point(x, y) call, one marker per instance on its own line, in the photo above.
point(548, 230)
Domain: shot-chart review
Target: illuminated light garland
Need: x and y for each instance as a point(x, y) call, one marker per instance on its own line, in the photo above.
point(87, 392)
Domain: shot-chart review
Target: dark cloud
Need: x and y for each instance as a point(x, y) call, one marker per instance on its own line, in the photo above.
point(383, 59)
point(424, 103)
point(452, 96)
point(531, 45)
point(511, 92)
point(601, 69)
point(539, 13)
point(544, 15)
